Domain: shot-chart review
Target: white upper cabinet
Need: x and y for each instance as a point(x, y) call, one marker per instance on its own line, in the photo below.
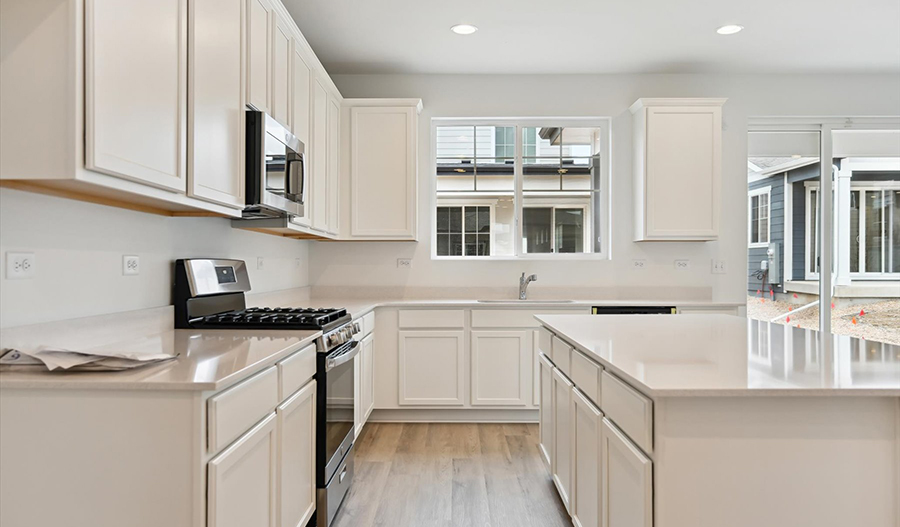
point(216, 109)
point(383, 168)
point(333, 146)
point(319, 158)
point(301, 89)
point(259, 51)
point(678, 168)
point(136, 91)
point(281, 71)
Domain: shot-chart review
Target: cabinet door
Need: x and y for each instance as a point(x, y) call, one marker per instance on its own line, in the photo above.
point(586, 424)
point(281, 71)
point(561, 462)
point(626, 481)
point(296, 457)
point(216, 102)
point(432, 367)
point(365, 387)
point(259, 53)
point(301, 103)
point(242, 485)
point(501, 364)
point(383, 172)
point(333, 122)
point(136, 90)
point(546, 407)
point(319, 157)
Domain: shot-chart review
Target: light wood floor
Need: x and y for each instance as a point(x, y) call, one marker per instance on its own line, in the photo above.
point(443, 475)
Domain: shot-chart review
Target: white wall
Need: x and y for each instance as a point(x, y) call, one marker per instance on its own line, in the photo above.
point(368, 264)
point(79, 247)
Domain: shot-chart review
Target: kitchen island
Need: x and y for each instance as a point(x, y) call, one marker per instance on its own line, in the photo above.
point(714, 420)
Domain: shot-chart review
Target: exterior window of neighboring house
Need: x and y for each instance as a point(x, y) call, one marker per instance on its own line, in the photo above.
point(759, 216)
point(531, 189)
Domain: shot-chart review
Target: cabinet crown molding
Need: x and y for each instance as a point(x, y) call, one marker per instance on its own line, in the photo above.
point(384, 103)
point(645, 102)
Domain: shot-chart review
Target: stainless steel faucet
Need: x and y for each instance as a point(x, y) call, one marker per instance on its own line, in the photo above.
point(523, 285)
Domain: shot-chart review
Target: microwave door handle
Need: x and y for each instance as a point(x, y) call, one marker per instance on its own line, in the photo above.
point(293, 184)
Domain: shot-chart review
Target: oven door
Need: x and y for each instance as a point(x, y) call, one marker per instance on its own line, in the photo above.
point(340, 398)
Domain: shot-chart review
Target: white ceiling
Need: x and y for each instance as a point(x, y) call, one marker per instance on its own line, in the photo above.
point(602, 36)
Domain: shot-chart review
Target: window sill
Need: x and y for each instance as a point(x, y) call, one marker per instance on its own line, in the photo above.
point(539, 257)
point(764, 245)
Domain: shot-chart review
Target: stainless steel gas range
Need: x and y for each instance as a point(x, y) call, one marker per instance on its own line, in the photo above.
point(209, 294)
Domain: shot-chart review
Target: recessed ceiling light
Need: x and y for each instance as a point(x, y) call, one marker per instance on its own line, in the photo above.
point(730, 29)
point(464, 29)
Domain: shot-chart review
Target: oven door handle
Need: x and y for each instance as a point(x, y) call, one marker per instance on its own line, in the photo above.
point(344, 357)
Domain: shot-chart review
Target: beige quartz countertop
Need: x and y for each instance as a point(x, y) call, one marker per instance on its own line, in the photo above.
point(723, 355)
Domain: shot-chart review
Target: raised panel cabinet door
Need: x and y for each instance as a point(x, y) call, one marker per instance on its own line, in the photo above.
point(242, 480)
point(586, 424)
point(383, 172)
point(333, 123)
point(319, 157)
point(626, 481)
point(301, 89)
point(259, 53)
point(432, 368)
point(136, 90)
point(547, 428)
point(296, 457)
point(501, 363)
point(281, 70)
point(216, 102)
point(369, 368)
point(561, 463)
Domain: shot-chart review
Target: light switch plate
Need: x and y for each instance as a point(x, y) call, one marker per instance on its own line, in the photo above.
point(260, 263)
point(718, 267)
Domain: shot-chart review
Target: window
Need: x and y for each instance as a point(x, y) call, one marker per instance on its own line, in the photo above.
point(533, 189)
point(759, 216)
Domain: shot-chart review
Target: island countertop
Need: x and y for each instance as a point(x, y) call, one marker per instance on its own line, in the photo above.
point(724, 355)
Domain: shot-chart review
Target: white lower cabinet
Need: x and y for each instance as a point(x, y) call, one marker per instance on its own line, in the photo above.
point(626, 481)
point(561, 461)
point(296, 457)
point(365, 387)
point(586, 450)
point(242, 480)
point(546, 407)
point(432, 367)
point(501, 367)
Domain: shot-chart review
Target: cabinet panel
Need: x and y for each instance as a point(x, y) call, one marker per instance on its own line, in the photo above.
point(333, 121)
point(535, 368)
point(281, 71)
point(136, 90)
point(319, 157)
point(562, 354)
point(432, 367)
point(242, 480)
point(586, 376)
point(296, 457)
point(561, 462)
point(383, 179)
point(216, 102)
point(259, 43)
point(516, 318)
point(547, 427)
point(296, 370)
point(501, 364)
point(629, 409)
point(432, 318)
point(365, 382)
point(301, 89)
point(586, 498)
point(626, 481)
point(232, 411)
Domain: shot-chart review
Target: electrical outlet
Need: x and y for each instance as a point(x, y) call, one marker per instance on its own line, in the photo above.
point(682, 264)
point(404, 263)
point(20, 266)
point(639, 264)
point(718, 267)
point(131, 265)
point(260, 263)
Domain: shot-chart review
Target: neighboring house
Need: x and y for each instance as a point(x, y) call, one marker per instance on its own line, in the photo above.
point(783, 193)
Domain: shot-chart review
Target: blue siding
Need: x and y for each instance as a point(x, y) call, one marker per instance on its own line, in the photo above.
point(776, 230)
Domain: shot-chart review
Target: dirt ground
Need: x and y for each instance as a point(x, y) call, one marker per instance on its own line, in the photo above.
point(879, 321)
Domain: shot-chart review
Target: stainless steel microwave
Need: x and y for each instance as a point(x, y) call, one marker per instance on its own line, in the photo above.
point(276, 169)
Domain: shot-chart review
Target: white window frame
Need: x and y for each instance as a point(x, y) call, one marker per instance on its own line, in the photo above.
point(604, 215)
point(767, 191)
point(463, 202)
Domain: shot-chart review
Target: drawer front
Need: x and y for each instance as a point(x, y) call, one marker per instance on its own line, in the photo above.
point(586, 376)
point(368, 323)
point(629, 409)
point(544, 342)
point(234, 411)
point(514, 318)
point(432, 318)
point(562, 353)
point(295, 371)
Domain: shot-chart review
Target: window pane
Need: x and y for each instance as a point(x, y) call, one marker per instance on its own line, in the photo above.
point(455, 245)
point(455, 219)
point(813, 219)
point(443, 245)
point(443, 220)
point(764, 230)
point(754, 219)
point(484, 220)
point(471, 245)
point(455, 142)
point(536, 232)
point(854, 231)
point(545, 141)
point(895, 236)
point(470, 219)
point(580, 142)
point(569, 230)
point(874, 222)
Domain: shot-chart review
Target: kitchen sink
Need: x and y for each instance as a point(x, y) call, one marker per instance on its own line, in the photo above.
point(516, 301)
